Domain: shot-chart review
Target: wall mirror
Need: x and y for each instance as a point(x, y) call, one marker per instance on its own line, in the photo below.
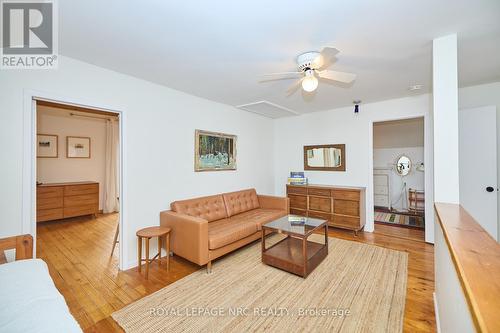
point(324, 157)
point(403, 165)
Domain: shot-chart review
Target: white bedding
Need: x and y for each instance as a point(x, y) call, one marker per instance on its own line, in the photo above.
point(30, 302)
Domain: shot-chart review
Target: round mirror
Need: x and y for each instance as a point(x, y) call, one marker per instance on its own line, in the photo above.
point(403, 165)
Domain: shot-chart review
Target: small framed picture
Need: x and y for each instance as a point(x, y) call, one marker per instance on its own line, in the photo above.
point(47, 146)
point(77, 147)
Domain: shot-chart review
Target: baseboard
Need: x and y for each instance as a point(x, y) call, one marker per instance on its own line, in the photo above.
point(436, 313)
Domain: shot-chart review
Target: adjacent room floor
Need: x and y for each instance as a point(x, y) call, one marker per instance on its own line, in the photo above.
point(413, 234)
point(78, 250)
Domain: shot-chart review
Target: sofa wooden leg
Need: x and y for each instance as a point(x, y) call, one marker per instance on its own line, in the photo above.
point(209, 267)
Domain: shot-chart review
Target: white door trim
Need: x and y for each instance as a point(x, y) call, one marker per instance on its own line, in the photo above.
point(29, 162)
point(428, 176)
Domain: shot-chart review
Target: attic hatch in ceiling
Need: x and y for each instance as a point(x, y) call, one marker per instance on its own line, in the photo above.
point(268, 109)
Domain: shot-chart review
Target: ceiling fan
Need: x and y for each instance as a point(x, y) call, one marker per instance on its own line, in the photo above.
point(312, 65)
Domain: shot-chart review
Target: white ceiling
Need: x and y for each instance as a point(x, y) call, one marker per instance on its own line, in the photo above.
point(219, 49)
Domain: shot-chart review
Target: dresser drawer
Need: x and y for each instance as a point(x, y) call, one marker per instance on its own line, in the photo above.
point(318, 215)
point(70, 190)
point(80, 200)
point(298, 201)
point(345, 195)
point(80, 210)
point(49, 192)
point(48, 203)
point(379, 189)
point(320, 203)
point(319, 191)
point(296, 190)
point(347, 222)
point(49, 214)
point(346, 207)
point(298, 212)
point(381, 200)
point(380, 180)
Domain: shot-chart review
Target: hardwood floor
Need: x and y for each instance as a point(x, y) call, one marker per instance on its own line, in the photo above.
point(78, 250)
point(400, 232)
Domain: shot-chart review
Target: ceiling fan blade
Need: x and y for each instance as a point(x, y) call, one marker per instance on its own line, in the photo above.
point(283, 74)
point(327, 56)
point(337, 76)
point(293, 89)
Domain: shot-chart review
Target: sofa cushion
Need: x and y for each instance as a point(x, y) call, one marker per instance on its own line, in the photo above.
point(240, 201)
point(260, 216)
point(210, 208)
point(227, 231)
point(234, 228)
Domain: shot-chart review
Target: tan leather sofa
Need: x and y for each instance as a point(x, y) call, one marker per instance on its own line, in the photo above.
point(206, 228)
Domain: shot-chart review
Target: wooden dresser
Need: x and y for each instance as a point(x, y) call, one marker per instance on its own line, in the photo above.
point(61, 200)
point(343, 207)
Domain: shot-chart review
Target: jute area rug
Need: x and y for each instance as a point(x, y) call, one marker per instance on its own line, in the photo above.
point(357, 288)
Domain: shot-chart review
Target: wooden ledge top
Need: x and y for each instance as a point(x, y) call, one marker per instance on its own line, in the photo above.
point(67, 184)
point(332, 187)
point(476, 256)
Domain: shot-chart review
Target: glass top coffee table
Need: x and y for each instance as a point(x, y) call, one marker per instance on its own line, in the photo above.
point(295, 253)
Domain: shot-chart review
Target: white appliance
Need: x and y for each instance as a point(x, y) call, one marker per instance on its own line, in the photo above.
point(382, 187)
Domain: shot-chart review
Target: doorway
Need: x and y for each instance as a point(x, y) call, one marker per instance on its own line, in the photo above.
point(77, 184)
point(399, 178)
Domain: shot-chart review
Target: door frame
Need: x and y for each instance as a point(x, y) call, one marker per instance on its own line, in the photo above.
point(428, 175)
point(30, 162)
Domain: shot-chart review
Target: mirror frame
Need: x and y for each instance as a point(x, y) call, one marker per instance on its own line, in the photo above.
point(342, 158)
point(396, 165)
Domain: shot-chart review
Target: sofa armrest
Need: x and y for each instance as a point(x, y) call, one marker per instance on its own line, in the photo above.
point(188, 235)
point(273, 202)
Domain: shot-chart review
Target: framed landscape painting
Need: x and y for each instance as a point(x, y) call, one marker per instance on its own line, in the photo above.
point(47, 145)
point(77, 147)
point(214, 151)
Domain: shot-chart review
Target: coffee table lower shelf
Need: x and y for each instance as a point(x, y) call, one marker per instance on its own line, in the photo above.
point(288, 255)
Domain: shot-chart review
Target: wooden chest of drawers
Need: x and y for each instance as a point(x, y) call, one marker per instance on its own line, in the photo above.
point(343, 207)
point(61, 200)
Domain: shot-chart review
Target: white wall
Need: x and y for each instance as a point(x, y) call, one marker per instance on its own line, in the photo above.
point(160, 124)
point(386, 157)
point(445, 119)
point(343, 126)
point(452, 311)
point(62, 169)
point(399, 133)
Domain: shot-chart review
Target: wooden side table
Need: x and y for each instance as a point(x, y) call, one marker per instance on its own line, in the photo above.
point(149, 233)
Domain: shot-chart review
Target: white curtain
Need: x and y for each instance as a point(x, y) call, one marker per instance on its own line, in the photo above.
point(111, 182)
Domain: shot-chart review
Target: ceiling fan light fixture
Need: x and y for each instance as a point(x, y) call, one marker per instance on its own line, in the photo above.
point(310, 82)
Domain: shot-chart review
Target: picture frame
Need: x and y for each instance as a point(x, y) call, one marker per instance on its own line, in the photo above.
point(214, 151)
point(47, 146)
point(78, 147)
point(325, 157)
